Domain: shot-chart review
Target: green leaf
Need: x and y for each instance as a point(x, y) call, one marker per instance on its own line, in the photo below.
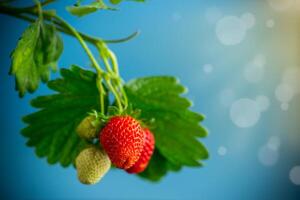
point(137, 0)
point(119, 1)
point(51, 130)
point(157, 167)
point(115, 1)
point(176, 128)
point(4, 2)
point(36, 54)
point(88, 9)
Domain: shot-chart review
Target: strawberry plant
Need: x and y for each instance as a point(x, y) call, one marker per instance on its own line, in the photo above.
point(94, 119)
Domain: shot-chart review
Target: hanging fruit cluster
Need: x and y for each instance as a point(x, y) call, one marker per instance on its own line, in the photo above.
point(122, 142)
point(94, 119)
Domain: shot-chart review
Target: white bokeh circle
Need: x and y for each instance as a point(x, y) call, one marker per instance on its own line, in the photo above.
point(268, 156)
point(244, 113)
point(259, 60)
point(208, 68)
point(263, 102)
point(254, 73)
point(295, 175)
point(291, 77)
point(274, 143)
point(270, 23)
point(284, 93)
point(230, 30)
point(222, 151)
point(248, 19)
point(281, 5)
point(284, 106)
point(227, 96)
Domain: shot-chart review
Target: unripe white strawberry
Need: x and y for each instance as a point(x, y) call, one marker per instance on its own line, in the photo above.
point(92, 164)
point(88, 128)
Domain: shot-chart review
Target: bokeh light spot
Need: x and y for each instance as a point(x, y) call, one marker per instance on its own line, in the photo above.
point(259, 60)
point(254, 73)
point(248, 19)
point(274, 143)
point(281, 5)
point(268, 156)
point(270, 23)
point(208, 68)
point(291, 77)
point(284, 106)
point(227, 97)
point(244, 113)
point(284, 93)
point(263, 102)
point(222, 151)
point(295, 175)
point(230, 30)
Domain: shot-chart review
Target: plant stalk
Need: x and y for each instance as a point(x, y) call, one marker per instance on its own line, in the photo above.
point(20, 13)
point(30, 14)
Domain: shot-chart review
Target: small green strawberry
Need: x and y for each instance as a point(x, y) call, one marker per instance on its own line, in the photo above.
point(92, 164)
point(89, 127)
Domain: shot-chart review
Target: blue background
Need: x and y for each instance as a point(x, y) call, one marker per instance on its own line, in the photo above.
point(178, 47)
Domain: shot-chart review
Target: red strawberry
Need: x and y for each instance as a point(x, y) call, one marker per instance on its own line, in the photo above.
point(123, 140)
point(147, 152)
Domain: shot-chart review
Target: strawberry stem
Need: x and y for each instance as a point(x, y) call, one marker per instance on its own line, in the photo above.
point(111, 64)
point(22, 13)
point(95, 64)
point(111, 77)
